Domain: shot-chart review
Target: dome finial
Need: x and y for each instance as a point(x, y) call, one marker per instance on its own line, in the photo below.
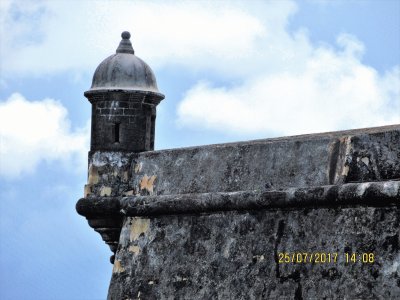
point(126, 35)
point(125, 45)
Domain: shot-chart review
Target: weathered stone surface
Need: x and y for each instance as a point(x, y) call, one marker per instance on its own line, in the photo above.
point(299, 161)
point(124, 96)
point(271, 164)
point(237, 221)
point(313, 171)
point(374, 194)
point(109, 169)
point(234, 255)
point(124, 70)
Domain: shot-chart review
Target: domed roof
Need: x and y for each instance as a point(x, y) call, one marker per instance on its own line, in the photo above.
point(124, 70)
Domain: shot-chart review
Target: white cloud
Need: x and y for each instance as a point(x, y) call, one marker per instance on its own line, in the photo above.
point(333, 91)
point(48, 36)
point(35, 131)
point(286, 84)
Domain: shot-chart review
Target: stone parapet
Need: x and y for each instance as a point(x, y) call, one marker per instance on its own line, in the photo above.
point(216, 221)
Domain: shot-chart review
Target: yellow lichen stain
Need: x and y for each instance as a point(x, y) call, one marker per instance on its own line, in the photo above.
point(345, 170)
point(125, 176)
point(118, 267)
point(128, 193)
point(134, 249)
point(87, 190)
point(138, 167)
point(147, 183)
point(105, 191)
point(93, 176)
point(139, 226)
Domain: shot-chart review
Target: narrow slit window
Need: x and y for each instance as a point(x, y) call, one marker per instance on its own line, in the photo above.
point(153, 129)
point(116, 133)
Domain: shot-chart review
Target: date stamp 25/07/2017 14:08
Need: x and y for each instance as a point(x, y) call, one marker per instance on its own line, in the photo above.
point(325, 257)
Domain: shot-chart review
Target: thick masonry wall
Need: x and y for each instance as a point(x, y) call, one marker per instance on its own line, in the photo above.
point(231, 221)
point(235, 255)
point(122, 121)
point(300, 161)
point(271, 164)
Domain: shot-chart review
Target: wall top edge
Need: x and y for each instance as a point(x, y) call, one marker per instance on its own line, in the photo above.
point(375, 194)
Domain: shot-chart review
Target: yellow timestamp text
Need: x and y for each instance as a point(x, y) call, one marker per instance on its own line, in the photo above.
point(324, 257)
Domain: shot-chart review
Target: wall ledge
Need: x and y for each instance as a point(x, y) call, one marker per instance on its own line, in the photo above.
point(376, 194)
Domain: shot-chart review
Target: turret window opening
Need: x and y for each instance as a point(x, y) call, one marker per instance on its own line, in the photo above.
point(116, 132)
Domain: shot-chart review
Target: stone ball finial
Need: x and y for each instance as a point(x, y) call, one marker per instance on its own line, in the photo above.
point(125, 45)
point(126, 35)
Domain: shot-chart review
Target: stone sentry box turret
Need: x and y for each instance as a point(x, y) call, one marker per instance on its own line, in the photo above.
point(124, 96)
point(224, 221)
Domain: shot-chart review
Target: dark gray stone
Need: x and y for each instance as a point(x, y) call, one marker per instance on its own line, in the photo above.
point(235, 255)
point(238, 220)
point(123, 81)
point(298, 161)
point(373, 194)
point(124, 70)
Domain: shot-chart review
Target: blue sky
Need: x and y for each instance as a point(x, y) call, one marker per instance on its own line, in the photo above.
point(230, 71)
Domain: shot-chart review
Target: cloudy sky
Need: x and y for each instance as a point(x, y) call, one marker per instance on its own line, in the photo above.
point(230, 71)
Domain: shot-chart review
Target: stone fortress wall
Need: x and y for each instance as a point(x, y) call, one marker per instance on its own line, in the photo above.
point(304, 217)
